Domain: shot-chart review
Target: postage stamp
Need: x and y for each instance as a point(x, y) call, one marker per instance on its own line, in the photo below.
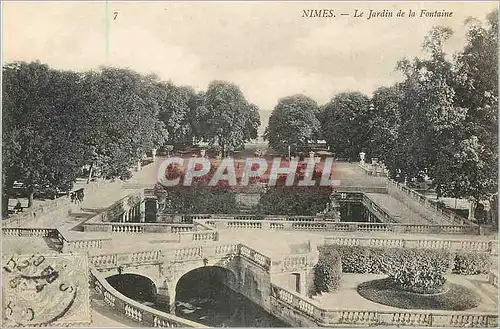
point(45, 290)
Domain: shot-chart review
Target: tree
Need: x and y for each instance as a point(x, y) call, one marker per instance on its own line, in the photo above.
point(230, 119)
point(121, 119)
point(293, 122)
point(472, 171)
point(346, 126)
point(42, 144)
point(176, 113)
point(386, 122)
point(418, 145)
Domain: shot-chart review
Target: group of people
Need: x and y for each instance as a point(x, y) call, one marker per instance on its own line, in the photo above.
point(77, 196)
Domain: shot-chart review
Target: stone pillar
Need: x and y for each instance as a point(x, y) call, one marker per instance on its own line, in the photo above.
point(142, 211)
point(139, 166)
point(172, 302)
point(153, 152)
point(123, 218)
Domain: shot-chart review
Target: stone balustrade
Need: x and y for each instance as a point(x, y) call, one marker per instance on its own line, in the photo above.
point(145, 315)
point(139, 227)
point(56, 208)
point(306, 309)
point(104, 261)
point(86, 244)
point(424, 206)
point(452, 245)
point(126, 259)
point(340, 226)
point(247, 217)
point(28, 231)
point(205, 236)
point(380, 213)
point(293, 263)
point(255, 257)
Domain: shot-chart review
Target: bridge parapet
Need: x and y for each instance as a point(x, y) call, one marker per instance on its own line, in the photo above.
point(136, 311)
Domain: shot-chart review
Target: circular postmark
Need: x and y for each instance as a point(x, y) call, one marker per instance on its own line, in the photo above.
point(41, 290)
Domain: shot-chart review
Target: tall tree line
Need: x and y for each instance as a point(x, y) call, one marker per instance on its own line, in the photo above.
point(440, 121)
point(55, 122)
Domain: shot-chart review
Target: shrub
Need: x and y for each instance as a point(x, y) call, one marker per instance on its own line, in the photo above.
point(418, 270)
point(468, 263)
point(328, 271)
point(356, 259)
point(304, 201)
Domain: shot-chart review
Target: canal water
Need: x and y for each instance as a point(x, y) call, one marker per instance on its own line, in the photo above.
point(215, 305)
point(201, 299)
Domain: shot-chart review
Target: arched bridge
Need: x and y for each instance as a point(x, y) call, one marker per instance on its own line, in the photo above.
point(247, 271)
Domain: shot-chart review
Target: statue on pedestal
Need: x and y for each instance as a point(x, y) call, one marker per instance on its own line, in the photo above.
point(164, 202)
point(332, 210)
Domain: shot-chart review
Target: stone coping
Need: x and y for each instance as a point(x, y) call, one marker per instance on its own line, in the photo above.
point(135, 310)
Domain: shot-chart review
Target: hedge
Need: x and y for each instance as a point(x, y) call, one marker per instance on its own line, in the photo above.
point(327, 272)
point(416, 270)
point(358, 259)
point(468, 263)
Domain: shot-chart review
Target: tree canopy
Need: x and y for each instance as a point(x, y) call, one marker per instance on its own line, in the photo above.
point(55, 122)
point(346, 124)
point(293, 122)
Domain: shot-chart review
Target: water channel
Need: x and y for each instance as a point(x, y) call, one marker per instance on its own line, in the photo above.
point(201, 299)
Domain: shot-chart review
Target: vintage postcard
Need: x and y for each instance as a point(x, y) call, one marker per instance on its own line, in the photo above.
point(249, 164)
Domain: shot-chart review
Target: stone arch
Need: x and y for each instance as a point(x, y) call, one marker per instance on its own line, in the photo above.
point(138, 287)
point(224, 275)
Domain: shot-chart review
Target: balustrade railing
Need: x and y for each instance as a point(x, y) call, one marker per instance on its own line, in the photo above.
point(58, 207)
point(145, 315)
point(425, 207)
point(255, 257)
point(28, 231)
point(341, 226)
point(85, 244)
point(310, 309)
point(452, 245)
point(380, 213)
point(125, 259)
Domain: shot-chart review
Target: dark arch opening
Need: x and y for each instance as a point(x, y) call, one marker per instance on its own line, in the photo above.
point(134, 286)
point(204, 295)
point(204, 281)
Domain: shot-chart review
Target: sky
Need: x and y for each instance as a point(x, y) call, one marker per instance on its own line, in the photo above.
point(268, 49)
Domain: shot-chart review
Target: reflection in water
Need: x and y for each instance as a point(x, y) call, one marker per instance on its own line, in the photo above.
point(216, 305)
